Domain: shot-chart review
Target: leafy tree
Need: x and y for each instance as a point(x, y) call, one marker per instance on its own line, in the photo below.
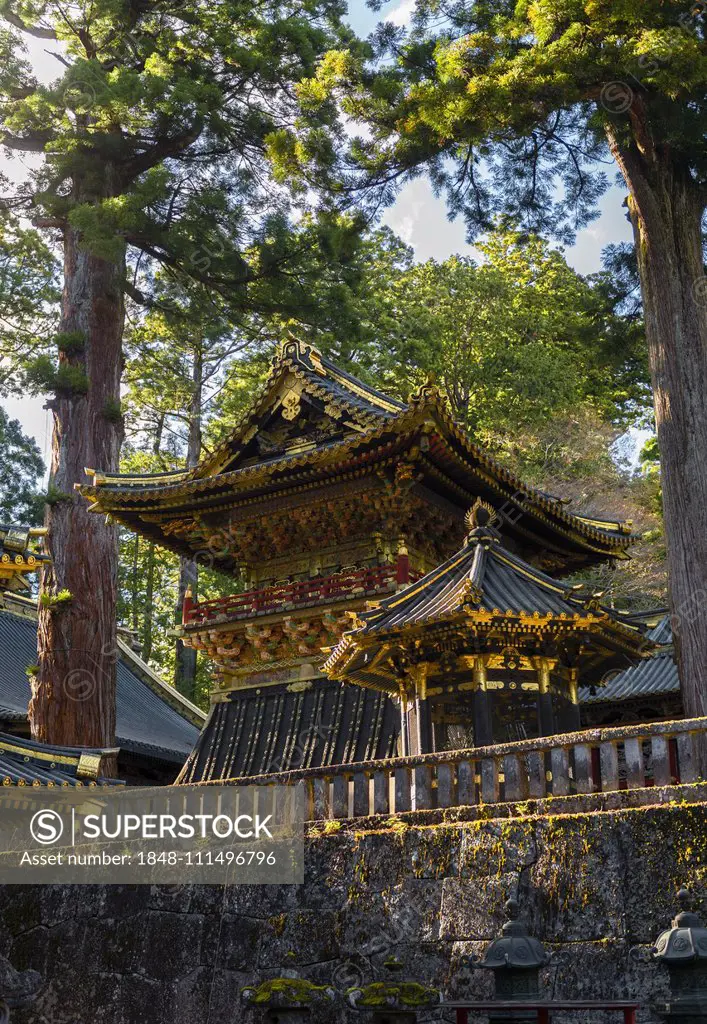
point(514, 340)
point(28, 295)
point(153, 153)
point(21, 469)
point(513, 105)
point(179, 356)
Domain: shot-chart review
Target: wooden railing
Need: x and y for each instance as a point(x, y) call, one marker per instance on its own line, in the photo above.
point(302, 593)
point(592, 761)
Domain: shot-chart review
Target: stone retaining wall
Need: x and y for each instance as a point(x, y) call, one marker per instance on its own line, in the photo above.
point(591, 886)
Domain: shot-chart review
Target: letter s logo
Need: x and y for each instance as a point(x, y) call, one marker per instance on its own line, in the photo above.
point(46, 827)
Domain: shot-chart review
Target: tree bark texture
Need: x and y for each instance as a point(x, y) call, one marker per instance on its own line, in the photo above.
point(666, 208)
point(73, 695)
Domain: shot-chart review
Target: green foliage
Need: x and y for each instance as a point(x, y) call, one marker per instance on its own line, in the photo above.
point(509, 104)
point(66, 379)
point(28, 295)
point(55, 602)
point(70, 343)
point(158, 141)
point(112, 411)
point(21, 467)
point(53, 495)
point(514, 340)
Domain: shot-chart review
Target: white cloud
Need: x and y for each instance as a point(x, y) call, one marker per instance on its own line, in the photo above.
point(402, 13)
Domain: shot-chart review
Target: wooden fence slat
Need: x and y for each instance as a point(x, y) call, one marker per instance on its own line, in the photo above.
point(687, 761)
point(537, 777)
point(421, 787)
point(635, 770)
point(609, 755)
point(381, 793)
point(660, 757)
point(402, 790)
point(466, 783)
point(490, 789)
point(340, 797)
point(445, 794)
point(320, 799)
point(516, 780)
point(560, 768)
point(361, 795)
point(583, 768)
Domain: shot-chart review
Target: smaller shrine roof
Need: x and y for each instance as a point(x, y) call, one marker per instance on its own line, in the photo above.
point(26, 763)
point(20, 554)
point(652, 677)
point(481, 584)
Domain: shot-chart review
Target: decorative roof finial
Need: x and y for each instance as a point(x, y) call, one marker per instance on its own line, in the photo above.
point(481, 515)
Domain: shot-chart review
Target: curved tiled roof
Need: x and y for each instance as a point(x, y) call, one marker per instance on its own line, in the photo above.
point(26, 763)
point(282, 730)
point(373, 427)
point(148, 721)
point(652, 677)
point(483, 587)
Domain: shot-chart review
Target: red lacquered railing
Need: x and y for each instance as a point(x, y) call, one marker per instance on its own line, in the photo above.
point(300, 594)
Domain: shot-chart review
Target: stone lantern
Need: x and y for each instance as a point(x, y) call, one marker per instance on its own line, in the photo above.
point(288, 999)
point(683, 950)
point(515, 957)
point(394, 1001)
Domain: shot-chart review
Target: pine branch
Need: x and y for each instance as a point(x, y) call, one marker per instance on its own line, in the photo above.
point(33, 30)
point(34, 143)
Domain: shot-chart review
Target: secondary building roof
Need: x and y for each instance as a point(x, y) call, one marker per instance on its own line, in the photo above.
point(655, 676)
point(281, 729)
point(152, 718)
point(25, 763)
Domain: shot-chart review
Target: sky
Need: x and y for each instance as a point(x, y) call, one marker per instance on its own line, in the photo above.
point(417, 216)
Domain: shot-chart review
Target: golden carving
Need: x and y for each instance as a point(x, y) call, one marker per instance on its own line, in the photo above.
point(291, 405)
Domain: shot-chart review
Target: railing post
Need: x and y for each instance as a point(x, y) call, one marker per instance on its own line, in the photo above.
point(320, 799)
point(583, 768)
point(381, 792)
point(402, 790)
point(422, 787)
point(560, 768)
point(516, 780)
point(445, 795)
point(661, 761)
point(687, 762)
point(361, 795)
point(537, 775)
point(609, 755)
point(489, 781)
point(340, 797)
point(635, 770)
point(466, 783)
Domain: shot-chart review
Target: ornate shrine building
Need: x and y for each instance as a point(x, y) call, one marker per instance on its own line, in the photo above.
point(484, 642)
point(20, 555)
point(328, 497)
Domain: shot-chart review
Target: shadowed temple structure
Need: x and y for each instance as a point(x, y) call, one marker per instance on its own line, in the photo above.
point(336, 510)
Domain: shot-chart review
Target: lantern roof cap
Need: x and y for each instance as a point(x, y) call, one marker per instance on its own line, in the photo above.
point(686, 939)
point(515, 948)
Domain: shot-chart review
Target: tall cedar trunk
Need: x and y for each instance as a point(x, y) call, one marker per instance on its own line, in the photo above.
point(666, 211)
point(185, 659)
point(73, 695)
